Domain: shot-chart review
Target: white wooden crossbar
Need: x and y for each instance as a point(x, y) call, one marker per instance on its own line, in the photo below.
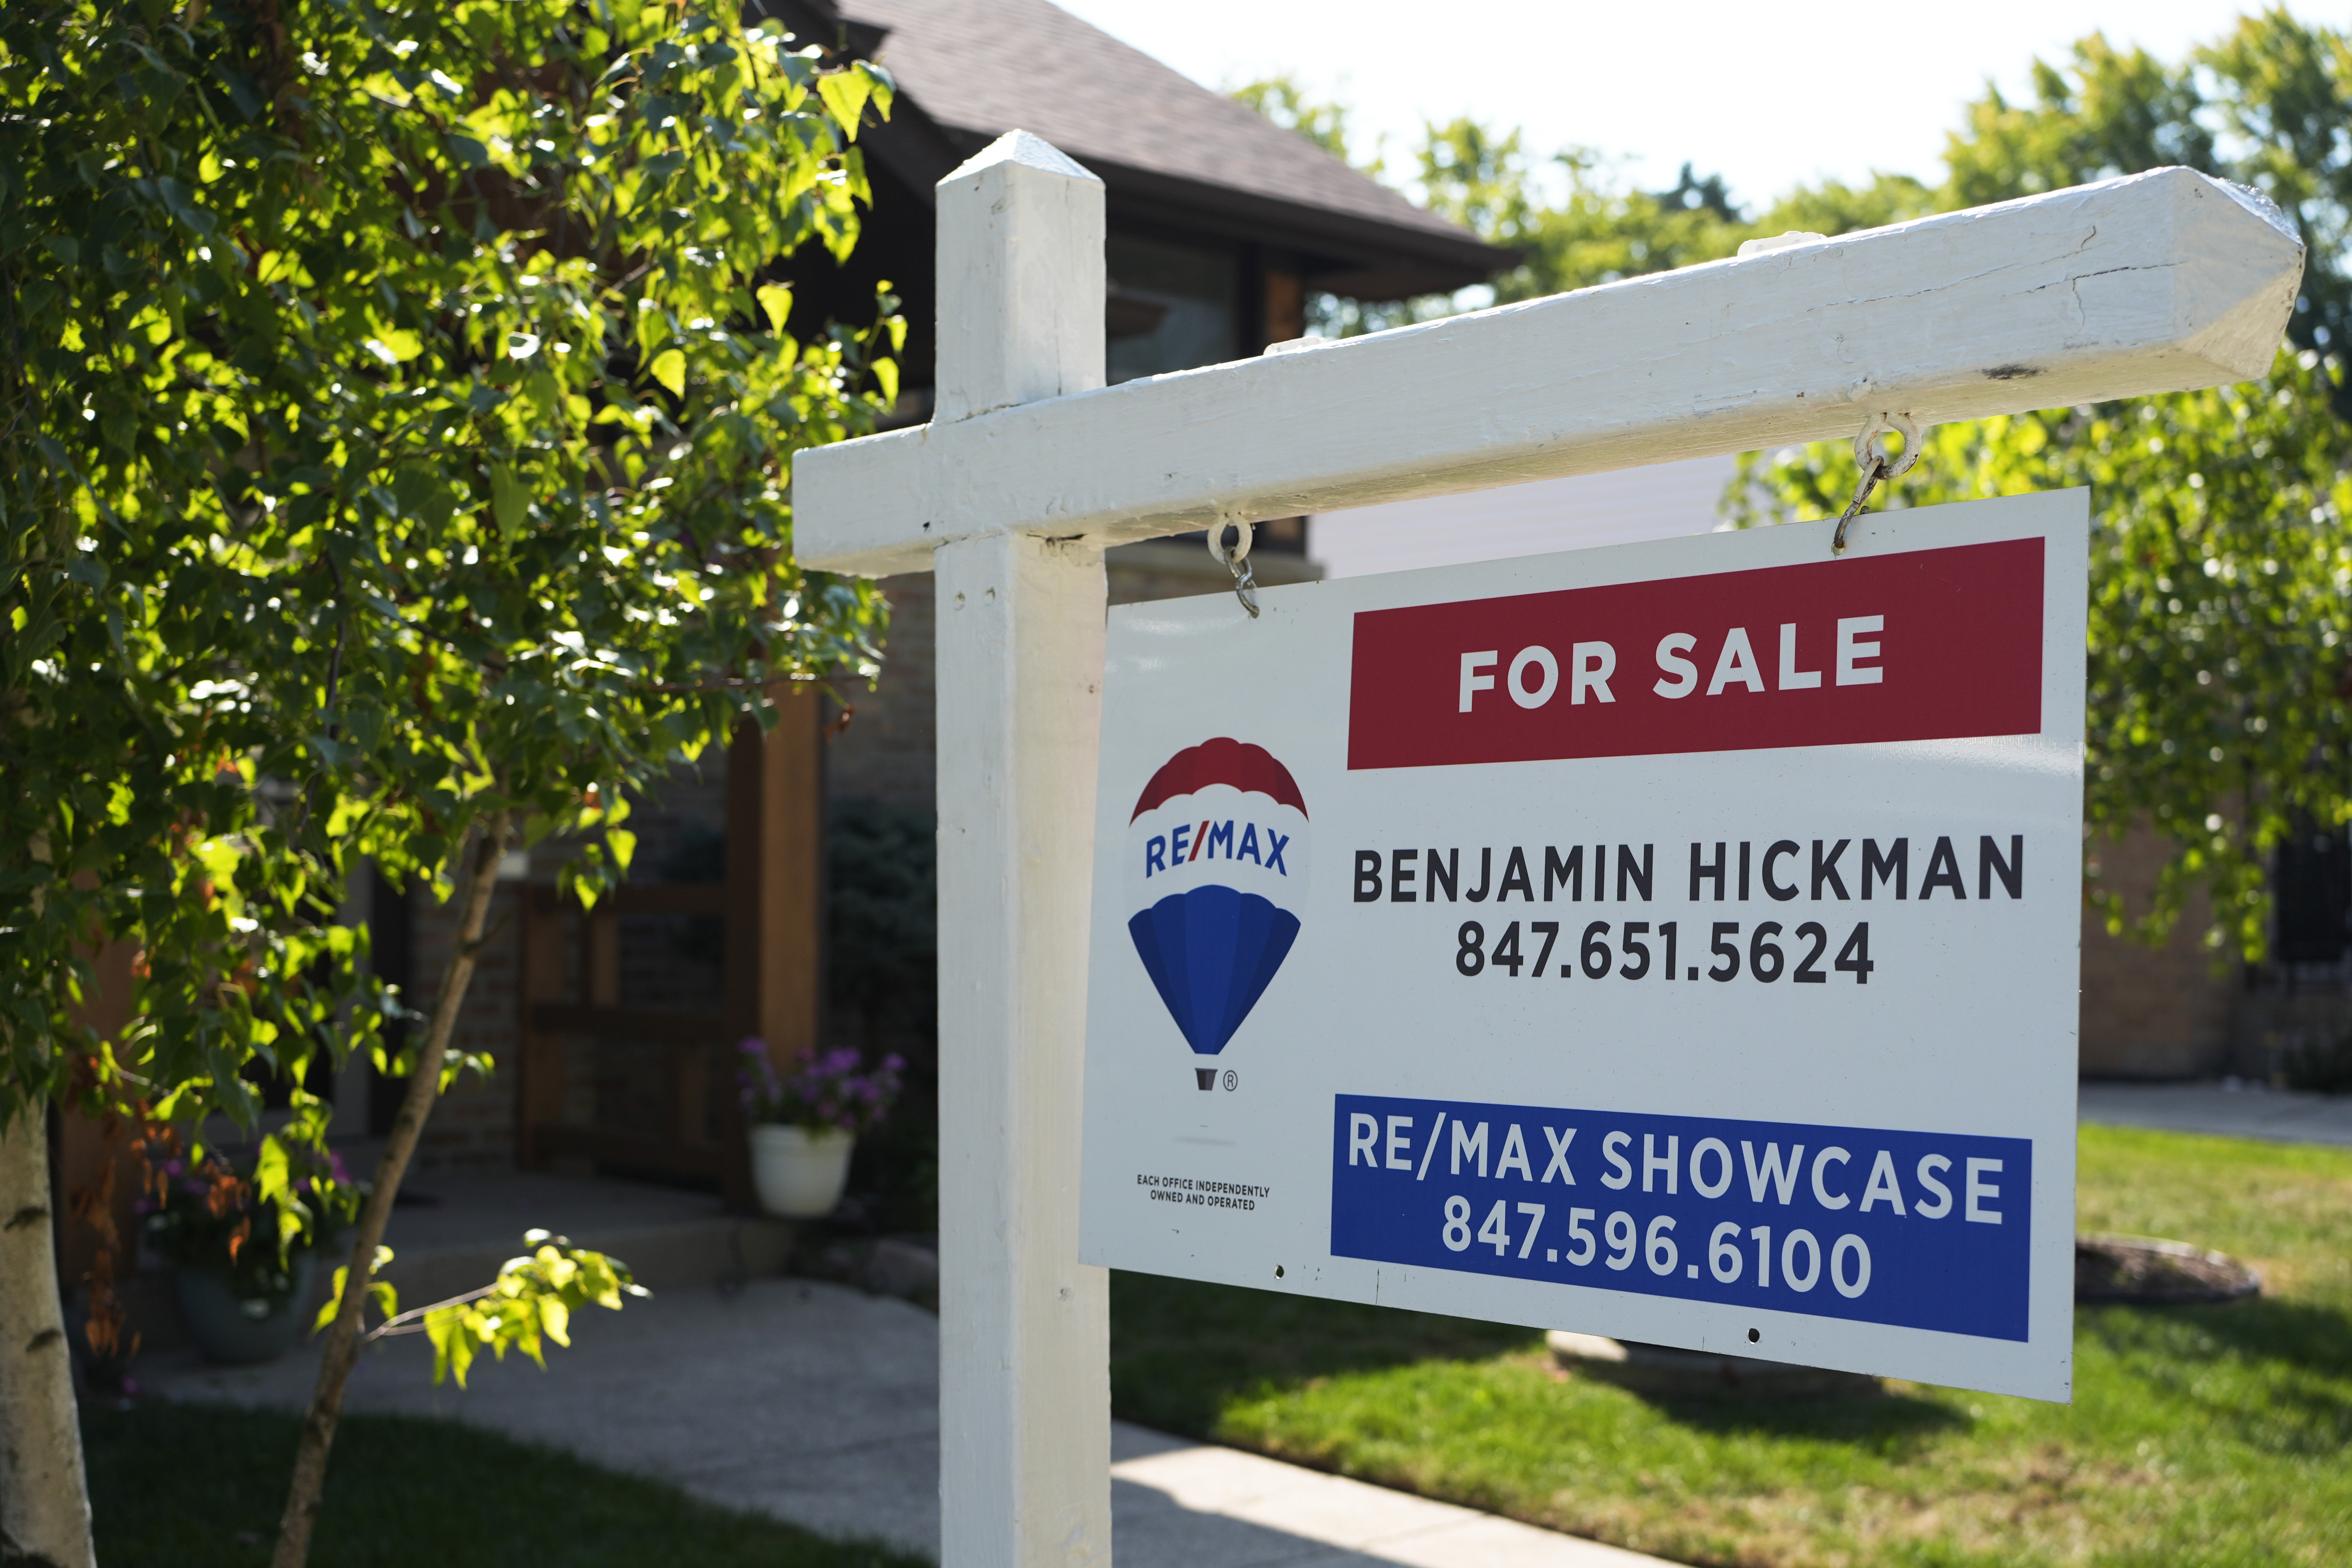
point(2156, 282)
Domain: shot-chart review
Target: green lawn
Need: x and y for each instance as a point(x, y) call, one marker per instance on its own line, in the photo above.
point(201, 1486)
point(2198, 1435)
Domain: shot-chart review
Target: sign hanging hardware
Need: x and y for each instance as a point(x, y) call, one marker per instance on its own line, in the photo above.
point(1877, 466)
point(1237, 561)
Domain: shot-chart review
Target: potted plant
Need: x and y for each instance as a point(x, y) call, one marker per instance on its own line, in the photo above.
point(804, 1123)
point(244, 1264)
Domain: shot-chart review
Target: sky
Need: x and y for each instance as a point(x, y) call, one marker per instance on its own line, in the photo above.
point(1770, 95)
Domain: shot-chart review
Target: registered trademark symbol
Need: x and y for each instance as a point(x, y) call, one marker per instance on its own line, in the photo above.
point(1232, 1080)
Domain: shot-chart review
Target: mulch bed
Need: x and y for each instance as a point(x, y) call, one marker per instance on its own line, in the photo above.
point(2139, 1268)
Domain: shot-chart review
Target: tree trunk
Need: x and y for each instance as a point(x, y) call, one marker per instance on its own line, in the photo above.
point(424, 1085)
point(44, 1503)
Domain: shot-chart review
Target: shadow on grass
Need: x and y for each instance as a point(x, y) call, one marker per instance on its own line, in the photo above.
point(1181, 1350)
point(2311, 1339)
point(2278, 1373)
point(195, 1486)
point(1886, 1423)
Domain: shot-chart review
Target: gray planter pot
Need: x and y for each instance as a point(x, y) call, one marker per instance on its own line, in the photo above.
point(242, 1332)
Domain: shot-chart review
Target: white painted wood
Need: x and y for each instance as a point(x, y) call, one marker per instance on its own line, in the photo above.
point(1021, 315)
point(1024, 1336)
point(2157, 282)
point(1625, 506)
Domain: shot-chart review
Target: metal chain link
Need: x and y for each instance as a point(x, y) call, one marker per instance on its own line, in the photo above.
point(1237, 561)
point(1877, 465)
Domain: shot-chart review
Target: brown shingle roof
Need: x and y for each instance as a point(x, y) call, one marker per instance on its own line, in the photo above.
point(979, 68)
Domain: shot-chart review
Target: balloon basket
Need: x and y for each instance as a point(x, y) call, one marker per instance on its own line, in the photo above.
point(1207, 1076)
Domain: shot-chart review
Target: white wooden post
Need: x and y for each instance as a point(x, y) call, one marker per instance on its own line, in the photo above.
point(2157, 282)
point(1025, 1328)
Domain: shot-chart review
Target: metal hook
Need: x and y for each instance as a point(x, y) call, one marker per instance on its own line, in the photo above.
point(1237, 561)
point(1877, 465)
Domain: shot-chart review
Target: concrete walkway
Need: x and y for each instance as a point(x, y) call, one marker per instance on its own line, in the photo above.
point(2247, 1111)
point(819, 1405)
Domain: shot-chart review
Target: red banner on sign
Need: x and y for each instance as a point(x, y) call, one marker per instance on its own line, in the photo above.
point(1926, 645)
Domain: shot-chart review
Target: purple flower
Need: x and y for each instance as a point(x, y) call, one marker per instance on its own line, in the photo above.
point(823, 1088)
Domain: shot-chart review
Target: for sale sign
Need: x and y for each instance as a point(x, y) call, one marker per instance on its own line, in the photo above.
point(1676, 941)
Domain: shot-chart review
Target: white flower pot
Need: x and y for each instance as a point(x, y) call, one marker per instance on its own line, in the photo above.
point(800, 1174)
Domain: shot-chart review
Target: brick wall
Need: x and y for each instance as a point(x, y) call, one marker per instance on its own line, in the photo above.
point(884, 753)
point(2150, 1012)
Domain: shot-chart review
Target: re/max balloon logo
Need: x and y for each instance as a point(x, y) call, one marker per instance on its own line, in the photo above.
point(1217, 872)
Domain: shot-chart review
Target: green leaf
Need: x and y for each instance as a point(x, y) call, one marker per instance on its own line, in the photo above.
point(182, 205)
point(670, 369)
point(844, 93)
point(394, 347)
point(334, 1303)
point(509, 500)
point(555, 1318)
point(452, 1336)
point(776, 301)
point(425, 495)
point(272, 1177)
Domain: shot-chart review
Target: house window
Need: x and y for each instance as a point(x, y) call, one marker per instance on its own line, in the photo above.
point(1171, 306)
point(2313, 889)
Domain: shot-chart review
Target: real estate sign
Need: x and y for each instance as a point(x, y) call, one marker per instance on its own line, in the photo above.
point(1677, 942)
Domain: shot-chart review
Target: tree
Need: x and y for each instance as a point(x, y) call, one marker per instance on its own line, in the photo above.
point(1281, 99)
point(2220, 623)
point(1834, 207)
point(2221, 556)
point(1597, 231)
point(2264, 106)
point(1481, 178)
point(398, 404)
point(1575, 225)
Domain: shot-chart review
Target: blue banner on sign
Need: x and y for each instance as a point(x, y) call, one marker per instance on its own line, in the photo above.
point(1922, 1230)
